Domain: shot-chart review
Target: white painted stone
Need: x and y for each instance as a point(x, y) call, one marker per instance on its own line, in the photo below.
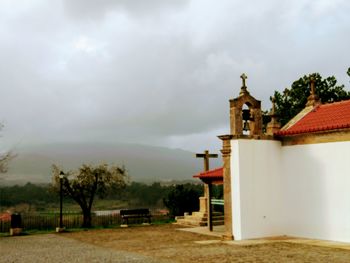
point(316, 183)
point(301, 190)
point(256, 188)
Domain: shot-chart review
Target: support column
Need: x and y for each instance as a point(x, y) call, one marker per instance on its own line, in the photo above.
point(210, 209)
point(226, 156)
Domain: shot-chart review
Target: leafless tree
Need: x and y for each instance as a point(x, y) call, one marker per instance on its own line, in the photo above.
point(5, 158)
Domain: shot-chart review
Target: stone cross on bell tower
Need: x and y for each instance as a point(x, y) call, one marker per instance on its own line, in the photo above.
point(244, 87)
point(313, 99)
point(251, 116)
point(273, 126)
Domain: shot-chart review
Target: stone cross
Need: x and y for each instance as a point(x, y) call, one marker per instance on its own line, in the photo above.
point(244, 87)
point(206, 155)
point(243, 77)
point(313, 99)
point(312, 85)
point(273, 110)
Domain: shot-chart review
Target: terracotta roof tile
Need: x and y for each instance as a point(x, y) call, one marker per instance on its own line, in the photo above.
point(216, 173)
point(324, 117)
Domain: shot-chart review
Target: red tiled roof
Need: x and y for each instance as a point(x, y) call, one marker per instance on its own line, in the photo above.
point(5, 217)
point(324, 117)
point(216, 173)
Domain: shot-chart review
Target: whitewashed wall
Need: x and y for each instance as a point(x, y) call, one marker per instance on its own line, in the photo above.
point(256, 185)
point(316, 179)
point(299, 190)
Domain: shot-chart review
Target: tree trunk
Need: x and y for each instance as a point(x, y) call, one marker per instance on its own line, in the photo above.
point(87, 218)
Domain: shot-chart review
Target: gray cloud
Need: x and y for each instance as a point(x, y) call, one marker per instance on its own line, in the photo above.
point(98, 9)
point(160, 73)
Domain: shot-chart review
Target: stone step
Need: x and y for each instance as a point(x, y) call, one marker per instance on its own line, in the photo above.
point(205, 214)
point(218, 223)
point(200, 219)
point(195, 215)
point(196, 223)
point(199, 214)
point(217, 214)
point(191, 222)
point(203, 219)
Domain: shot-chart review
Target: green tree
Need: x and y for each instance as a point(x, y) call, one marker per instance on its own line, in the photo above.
point(89, 181)
point(32, 194)
point(141, 194)
point(183, 198)
point(291, 101)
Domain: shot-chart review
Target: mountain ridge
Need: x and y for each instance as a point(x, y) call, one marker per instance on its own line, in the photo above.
point(144, 163)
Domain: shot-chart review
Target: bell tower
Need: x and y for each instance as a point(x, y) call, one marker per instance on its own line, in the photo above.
point(245, 113)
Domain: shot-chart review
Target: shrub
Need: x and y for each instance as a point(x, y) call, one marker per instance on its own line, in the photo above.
point(183, 198)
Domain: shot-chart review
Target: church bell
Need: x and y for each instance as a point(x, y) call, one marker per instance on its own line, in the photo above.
point(246, 118)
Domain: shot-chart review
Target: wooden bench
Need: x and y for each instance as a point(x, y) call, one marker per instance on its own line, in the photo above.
point(134, 213)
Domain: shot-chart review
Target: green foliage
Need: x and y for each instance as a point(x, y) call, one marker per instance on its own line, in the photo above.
point(183, 198)
point(43, 198)
point(139, 194)
point(217, 191)
point(34, 195)
point(88, 182)
point(291, 101)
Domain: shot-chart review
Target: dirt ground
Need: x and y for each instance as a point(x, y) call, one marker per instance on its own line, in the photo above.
point(166, 243)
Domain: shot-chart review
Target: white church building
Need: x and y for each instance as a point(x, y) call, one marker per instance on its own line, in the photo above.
point(293, 180)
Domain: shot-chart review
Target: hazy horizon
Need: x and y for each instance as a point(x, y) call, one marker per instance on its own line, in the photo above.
point(155, 72)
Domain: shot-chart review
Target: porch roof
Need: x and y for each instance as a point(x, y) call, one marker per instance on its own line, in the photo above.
point(214, 176)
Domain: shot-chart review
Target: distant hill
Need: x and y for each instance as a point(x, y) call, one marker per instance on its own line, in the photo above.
point(144, 163)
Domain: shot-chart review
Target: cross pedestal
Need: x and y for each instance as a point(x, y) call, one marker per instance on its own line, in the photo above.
point(15, 231)
point(203, 204)
point(204, 201)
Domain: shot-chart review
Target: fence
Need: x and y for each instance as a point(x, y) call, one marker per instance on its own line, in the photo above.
point(49, 221)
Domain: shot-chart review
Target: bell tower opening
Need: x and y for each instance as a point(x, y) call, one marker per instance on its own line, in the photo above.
point(246, 118)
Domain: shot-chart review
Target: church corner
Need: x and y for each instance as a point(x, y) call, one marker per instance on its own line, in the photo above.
point(292, 180)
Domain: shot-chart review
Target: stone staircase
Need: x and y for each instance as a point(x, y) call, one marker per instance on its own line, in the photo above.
point(200, 219)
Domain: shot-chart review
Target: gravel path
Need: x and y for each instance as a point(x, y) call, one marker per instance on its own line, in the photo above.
point(56, 248)
point(162, 243)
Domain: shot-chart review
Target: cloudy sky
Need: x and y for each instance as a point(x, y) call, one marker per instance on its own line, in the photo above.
point(155, 72)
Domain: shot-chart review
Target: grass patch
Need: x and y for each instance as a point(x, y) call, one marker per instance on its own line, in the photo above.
point(96, 228)
point(6, 234)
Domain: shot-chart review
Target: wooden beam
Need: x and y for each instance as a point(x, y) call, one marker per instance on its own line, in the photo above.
point(206, 156)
